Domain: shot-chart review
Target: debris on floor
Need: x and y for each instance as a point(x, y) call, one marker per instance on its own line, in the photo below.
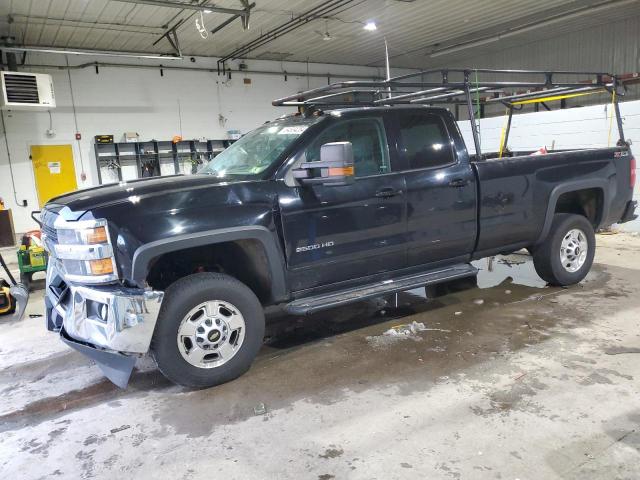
point(119, 429)
point(510, 262)
point(401, 332)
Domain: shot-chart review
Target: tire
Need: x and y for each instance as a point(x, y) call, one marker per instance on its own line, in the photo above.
point(182, 310)
point(547, 257)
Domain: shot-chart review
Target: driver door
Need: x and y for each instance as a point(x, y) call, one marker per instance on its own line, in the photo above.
point(338, 233)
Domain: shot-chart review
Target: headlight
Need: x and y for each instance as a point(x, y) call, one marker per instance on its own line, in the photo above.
point(85, 251)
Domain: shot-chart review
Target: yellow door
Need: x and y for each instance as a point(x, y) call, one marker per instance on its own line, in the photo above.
point(54, 171)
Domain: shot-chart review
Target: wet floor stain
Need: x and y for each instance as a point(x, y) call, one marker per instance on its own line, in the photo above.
point(51, 407)
point(461, 332)
point(621, 350)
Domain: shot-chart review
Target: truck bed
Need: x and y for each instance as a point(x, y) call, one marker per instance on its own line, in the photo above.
point(514, 193)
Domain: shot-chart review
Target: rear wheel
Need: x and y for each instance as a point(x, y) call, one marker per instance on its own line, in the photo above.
point(209, 330)
point(566, 255)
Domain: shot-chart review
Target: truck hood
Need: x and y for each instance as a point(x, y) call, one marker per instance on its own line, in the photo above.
point(135, 190)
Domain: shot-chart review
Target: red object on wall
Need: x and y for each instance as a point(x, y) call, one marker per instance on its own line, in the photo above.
point(78, 136)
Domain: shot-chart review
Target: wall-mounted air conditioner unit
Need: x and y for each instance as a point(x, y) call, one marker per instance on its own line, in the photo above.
point(26, 91)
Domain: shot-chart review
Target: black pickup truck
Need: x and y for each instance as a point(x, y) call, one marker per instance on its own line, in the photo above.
point(309, 211)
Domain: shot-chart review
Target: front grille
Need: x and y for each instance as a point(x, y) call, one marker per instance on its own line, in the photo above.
point(21, 88)
point(57, 299)
point(48, 219)
point(50, 232)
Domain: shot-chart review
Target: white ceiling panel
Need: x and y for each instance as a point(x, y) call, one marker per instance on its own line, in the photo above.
point(413, 29)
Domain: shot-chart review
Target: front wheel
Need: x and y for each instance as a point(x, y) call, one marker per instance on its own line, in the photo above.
point(209, 330)
point(566, 255)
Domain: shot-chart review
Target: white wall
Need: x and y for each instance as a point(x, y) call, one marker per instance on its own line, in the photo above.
point(134, 99)
point(119, 100)
point(582, 127)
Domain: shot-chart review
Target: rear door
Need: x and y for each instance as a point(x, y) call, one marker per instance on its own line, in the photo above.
point(338, 233)
point(441, 189)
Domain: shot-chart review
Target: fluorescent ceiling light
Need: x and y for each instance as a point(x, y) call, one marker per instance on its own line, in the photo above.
point(527, 28)
point(370, 26)
point(464, 46)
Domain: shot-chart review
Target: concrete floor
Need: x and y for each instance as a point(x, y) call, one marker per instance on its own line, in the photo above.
point(512, 380)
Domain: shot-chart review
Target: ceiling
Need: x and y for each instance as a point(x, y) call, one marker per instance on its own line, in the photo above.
point(414, 29)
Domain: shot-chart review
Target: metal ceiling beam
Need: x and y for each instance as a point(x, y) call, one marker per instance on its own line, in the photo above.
point(245, 20)
point(324, 10)
point(190, 6)
point(172, 36)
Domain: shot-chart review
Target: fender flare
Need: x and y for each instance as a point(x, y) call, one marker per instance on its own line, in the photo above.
point(144, 255)
point(599, 183)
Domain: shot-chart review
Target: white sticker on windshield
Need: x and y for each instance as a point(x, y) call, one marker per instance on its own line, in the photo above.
point(293, 130)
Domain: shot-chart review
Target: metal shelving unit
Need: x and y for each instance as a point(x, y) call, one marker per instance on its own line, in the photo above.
point(123, 161)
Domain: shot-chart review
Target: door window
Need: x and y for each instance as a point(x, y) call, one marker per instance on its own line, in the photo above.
point(370, 154)
point(425, 142)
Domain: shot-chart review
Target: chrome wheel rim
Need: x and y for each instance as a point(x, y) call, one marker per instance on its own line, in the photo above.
point(573, 250)
point(211, 334)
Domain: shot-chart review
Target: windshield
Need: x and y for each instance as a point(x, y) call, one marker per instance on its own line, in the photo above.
point(258, 149)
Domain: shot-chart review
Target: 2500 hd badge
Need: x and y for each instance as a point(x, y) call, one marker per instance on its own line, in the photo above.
point(315, 246)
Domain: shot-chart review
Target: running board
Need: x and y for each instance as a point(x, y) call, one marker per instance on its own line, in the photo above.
point(308, 305)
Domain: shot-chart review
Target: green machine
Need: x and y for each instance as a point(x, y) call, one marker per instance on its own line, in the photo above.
point(32, 257)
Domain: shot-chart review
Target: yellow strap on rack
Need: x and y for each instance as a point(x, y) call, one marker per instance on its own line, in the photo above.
point(503, 133)
point(556, 97)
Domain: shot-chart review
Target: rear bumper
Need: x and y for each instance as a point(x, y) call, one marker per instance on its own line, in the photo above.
point(111, 324)
point(629, 212)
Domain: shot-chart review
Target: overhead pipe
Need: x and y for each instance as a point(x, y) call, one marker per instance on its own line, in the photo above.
point(12, 62)
point(82, 66)
point(93, 53)
point(189, 6)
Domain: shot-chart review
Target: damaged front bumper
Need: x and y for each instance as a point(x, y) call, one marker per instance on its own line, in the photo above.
point(111, 324)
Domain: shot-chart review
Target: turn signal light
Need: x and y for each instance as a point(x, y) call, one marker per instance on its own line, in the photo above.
point(104, 266)
point(97, 235)
point(340, 171)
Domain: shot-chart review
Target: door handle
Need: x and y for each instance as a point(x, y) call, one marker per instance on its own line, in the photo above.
point(388, 192)
point(458, 182)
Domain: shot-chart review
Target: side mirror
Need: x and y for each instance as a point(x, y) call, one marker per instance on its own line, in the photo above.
point(335, 167)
